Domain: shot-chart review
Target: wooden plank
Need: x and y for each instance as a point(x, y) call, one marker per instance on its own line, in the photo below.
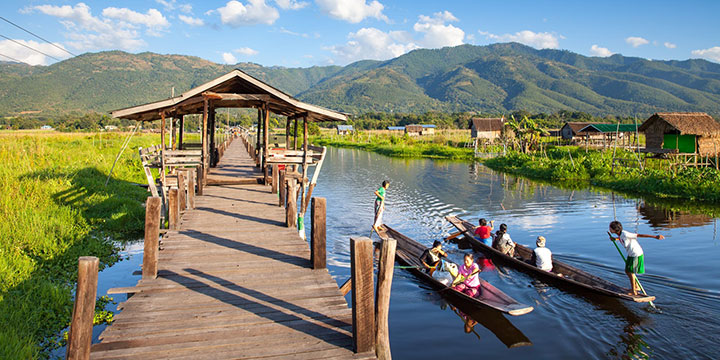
point(363, 309)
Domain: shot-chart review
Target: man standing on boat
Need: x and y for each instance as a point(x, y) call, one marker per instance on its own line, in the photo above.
point(380, 205)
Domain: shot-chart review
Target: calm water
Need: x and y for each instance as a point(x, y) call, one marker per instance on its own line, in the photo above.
point(682, 270)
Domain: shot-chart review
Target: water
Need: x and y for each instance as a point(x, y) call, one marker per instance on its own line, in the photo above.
point(682, 270)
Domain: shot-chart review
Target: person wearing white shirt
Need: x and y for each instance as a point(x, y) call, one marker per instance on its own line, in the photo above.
point(635, 262)
point(542, 255)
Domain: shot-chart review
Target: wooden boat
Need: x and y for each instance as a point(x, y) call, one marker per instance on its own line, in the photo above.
point(408, 253)
point(561, 274)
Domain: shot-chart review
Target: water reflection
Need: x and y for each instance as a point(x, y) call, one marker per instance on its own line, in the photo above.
point(664, 218)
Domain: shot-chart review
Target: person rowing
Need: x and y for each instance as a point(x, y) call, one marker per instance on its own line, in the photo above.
point(379, 206)
point(635, 262)
point(431, 257)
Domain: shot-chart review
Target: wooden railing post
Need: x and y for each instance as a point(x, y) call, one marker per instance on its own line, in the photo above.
point(173, 209)
point(282, 188)
point(191, 189)
point(317, 233)
point(152, 235)
point(363, 309)
point(80, 335)
point(182, 191)
point(386, 265)
point(275, 179)
point(199, 180)
point(291, 209)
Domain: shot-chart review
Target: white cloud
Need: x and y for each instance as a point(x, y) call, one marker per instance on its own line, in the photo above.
point(171, 5)
point(28, 56)
point(636, 41)
point(352, 11)
point(153, 20)
point(235, 13)
point(246, 51)
point(191, 20)
point(88, 32)
point(229, 58)
point(541, 40)
point(437, 34)
point(291, 4)
point(669, 45)
point(712, 53)
point(600, 51)
point(371, 43)
point(290, 32)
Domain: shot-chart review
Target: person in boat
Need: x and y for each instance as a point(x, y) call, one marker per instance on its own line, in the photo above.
point(635, 262)
point(484, 232)
point(503, 242)
point(431, 257)
point(542, 256)
point(468, 281)
point(380, 205)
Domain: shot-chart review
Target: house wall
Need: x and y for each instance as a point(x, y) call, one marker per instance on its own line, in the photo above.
point(428, 131)
point(485, 134)
point(654, 135)
point(709, 145)
point(566, 132)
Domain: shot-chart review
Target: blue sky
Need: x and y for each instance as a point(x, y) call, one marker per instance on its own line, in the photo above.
point(302, 33)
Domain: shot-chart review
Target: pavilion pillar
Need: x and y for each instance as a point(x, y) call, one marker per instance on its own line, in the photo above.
point(266, 121)
point(211, 134)
point(258, 133)
point(287, 133)
point(181, 131)
point(172, 133)
point(296, 134)
point(203, 166)
point(304, 167)
point(162, 146)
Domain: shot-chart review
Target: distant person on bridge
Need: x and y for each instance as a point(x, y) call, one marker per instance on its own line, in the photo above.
point(380, 205)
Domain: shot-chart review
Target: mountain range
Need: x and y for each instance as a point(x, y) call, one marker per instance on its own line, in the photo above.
point(496, 78)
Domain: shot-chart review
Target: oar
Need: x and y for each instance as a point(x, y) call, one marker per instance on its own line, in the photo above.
point(452, 236)
point(636, 278)
point(409, 267)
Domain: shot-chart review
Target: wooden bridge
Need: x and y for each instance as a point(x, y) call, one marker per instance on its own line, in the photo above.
point(233, 281)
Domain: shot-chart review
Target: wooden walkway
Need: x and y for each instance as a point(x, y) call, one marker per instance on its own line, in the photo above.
point(233, 283)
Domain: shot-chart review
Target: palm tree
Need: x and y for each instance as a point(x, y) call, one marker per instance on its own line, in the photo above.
point(527, 131)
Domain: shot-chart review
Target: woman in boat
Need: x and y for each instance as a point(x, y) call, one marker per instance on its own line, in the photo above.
point(380, 205)
point(430, 258)
point(635, 262)
point(483, 232)
point(468, 274)
point(503, 242)
point(542, 256)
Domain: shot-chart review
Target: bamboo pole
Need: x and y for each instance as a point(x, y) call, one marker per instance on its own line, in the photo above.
point(80, 334)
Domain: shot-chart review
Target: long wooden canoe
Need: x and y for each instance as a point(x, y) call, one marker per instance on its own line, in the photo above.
point(408, 253)
point(561, 274)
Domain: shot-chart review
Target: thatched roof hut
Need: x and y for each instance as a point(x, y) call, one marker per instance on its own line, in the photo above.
point(682, 132)
point(486, 128)
point(572, 129)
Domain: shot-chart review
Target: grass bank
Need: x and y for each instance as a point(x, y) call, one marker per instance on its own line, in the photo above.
point(571, 164)
point(440, 146)
point(54, 207)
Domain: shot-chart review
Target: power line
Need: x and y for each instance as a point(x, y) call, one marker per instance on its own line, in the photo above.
point(29, 47)
point(37, 36)
point(14, 59)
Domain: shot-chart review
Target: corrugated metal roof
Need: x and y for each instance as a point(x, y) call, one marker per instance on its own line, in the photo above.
point(609, 128)
point(345, 127)
point(396, 128)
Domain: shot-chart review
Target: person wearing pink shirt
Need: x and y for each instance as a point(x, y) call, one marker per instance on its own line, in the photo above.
point(468, 271)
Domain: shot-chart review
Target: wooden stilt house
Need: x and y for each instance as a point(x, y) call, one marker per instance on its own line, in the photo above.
point(682, 133)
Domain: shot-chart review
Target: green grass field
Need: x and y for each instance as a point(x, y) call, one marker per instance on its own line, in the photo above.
point(54, 207)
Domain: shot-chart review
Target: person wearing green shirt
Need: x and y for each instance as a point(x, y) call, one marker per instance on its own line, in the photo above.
point(380, 205)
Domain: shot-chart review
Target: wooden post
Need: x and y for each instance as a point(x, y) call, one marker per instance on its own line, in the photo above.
point(282, 187)
point(152, 235)
point(266, 122)
point(287, 133)
point(80, 335)
point(305, 166)
point(162, 147)
point(296, 133)
point(182, 191)
point(363, 312)
point(204, 157)
point(191, 189)
point(386, 265)
point(174, 209)
point(199, 176)
point(181, 131)
point(317, 233)
point(275, 179)
point(291, 209)
point(258, 132)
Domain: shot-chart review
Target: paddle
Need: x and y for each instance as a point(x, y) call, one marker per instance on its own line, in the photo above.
point(636, 278)
point(452, 236)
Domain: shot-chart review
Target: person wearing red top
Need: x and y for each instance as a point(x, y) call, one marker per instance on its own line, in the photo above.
point(483, 232)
